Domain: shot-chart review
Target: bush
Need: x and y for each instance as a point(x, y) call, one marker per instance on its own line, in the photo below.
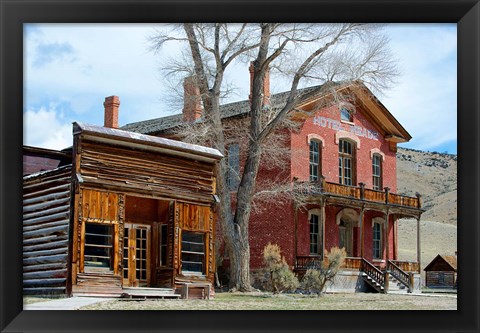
point(277, 272)
point(315, 280)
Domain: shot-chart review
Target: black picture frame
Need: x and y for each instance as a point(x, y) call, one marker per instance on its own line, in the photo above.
point(14, 13)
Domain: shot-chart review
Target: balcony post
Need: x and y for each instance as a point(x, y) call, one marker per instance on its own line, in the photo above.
point(419, 251)
point(321, 181)
point(360, 224)
point(362, 191)
point(387, 190)
point(419, 198)
point(323, 218)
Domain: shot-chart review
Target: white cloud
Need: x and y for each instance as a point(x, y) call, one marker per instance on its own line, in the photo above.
point(46, 128)
point(114, 59)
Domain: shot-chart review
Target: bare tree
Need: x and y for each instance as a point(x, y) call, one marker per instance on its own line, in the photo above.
point(331, 55)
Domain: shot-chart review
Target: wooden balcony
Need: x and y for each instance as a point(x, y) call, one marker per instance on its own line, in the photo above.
point(361, 193)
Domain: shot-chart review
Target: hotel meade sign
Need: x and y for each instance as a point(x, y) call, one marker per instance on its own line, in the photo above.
point(338, 126)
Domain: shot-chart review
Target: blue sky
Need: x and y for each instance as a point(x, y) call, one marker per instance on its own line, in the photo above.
point(69, 69)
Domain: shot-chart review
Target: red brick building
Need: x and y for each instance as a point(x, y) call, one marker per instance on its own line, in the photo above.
point(348, 153)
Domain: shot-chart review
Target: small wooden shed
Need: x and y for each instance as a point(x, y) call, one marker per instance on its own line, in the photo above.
point(130, 211)
point(441, 272)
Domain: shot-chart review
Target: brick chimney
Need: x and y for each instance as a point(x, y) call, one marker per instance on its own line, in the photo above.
point(266, 85)
point(111, 106)
point(192, 102)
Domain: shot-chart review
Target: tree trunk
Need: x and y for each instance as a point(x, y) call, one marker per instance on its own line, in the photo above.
point(240, 268)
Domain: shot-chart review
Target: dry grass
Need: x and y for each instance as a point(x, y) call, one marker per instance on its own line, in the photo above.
point(436, 238)
point(434, 176)
point(267, 301)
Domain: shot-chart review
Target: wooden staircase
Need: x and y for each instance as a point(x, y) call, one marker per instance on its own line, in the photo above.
point(393, 280)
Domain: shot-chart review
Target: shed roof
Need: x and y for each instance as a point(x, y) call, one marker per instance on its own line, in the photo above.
point(375, 111)
point(449, 259)
point(132, 139)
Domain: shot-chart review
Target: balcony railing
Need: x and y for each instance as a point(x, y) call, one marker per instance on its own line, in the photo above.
point(362, 193)
point(309, 262)
point(351, 263)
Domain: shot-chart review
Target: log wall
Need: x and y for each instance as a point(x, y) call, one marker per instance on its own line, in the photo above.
point(46, 219)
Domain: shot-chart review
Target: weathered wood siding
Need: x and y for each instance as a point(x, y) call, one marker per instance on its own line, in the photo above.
point(146, 172)
point(46, 218)
point(195, 218)
point(439, 279)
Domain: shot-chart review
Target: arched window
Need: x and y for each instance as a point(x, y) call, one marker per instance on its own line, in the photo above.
point(316, 232)
point(346, 115)
point(315, 159)
point(377, 180)
point(346, 162)
point(377, 240)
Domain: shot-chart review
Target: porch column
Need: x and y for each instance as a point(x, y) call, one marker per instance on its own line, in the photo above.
point(385, 238)
point(360, 224)
point(322, 218)
point(419, 250)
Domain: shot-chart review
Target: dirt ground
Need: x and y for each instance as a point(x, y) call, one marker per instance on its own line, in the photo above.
point(267, 301)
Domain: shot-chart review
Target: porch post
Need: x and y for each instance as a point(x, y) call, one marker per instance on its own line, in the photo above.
point(419, 250)
point(295, 220)
point(322, 218)
point(385, 233)
point(360, 224)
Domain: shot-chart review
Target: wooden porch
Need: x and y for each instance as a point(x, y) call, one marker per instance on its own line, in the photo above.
point(354, 264)
point(392, 275)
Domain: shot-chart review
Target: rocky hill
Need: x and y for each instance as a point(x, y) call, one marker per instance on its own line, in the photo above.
point(434, 176)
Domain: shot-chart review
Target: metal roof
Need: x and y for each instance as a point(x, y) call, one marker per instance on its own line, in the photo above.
point(145, 140)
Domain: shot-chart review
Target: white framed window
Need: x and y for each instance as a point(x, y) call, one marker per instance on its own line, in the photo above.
point(346, 115)
point(346, 162)
point(314, 234)
point(315, 158)
point(377, 240)
point(377, 172)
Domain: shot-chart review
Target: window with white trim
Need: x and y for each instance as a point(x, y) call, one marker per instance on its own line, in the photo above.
point(315, 158)
point(377, 172)
point(346, 115)
point(377, 240)
point(346, 162)
point(314, 234)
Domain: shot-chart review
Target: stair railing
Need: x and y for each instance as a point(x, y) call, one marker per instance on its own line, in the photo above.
point(403, 277)
point(375, 274)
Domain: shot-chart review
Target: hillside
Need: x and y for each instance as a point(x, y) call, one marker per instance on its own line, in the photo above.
point(434, 176)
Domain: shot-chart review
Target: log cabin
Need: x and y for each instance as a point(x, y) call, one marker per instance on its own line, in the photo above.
point(441, 272)
point(346, 149)
point(122, 213)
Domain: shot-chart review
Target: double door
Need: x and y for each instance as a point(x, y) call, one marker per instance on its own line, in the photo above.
point(136, 255)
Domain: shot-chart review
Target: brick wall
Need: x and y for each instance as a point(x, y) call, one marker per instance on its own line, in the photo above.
point(275, 222)
point(329, 156)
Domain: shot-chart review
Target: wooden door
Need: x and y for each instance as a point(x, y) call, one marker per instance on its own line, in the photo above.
point(136, 255)
point(346, 238)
